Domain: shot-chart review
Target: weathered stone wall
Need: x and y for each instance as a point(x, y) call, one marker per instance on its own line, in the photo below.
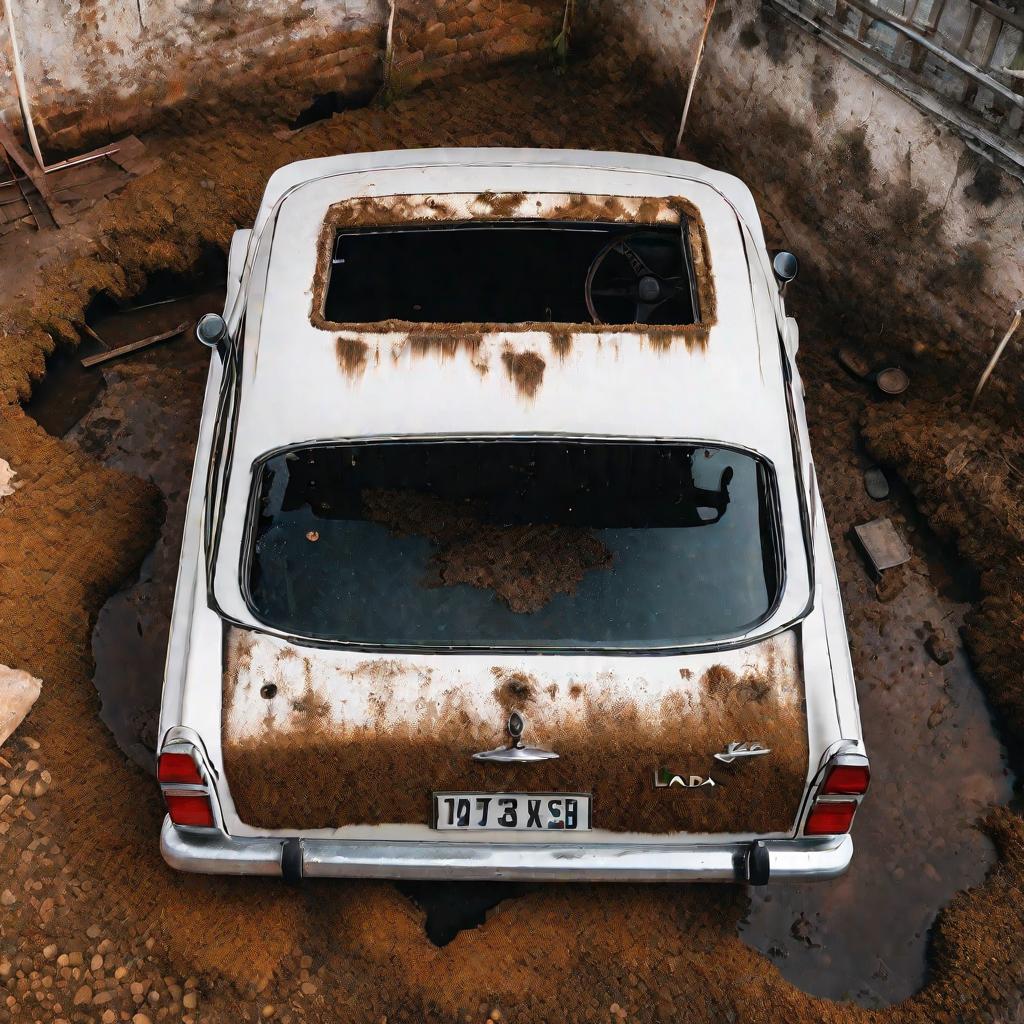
point(96, 68)
point(918, 239)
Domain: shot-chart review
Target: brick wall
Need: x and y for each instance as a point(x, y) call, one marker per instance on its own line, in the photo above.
point(99, 68)
point(433, 40)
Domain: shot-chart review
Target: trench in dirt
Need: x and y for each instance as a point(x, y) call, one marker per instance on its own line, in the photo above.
point(936, 760)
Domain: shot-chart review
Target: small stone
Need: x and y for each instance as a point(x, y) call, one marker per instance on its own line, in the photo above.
point(190, 1001)
point(141, 1018)
point(308, 988)
point(938, 645)
point(50, 951)
point(83, 995)
point(876, 483)
point(96, 963)
point(854, 362)
point(109, 1016)
point(267, 1012)
point(94, 931)
point(7, 898)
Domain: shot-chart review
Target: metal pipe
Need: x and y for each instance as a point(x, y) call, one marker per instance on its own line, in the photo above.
point(26, 109)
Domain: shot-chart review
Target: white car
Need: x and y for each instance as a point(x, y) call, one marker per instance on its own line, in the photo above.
point(504, 556)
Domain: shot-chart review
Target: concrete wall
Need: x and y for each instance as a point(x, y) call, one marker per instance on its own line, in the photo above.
point(916, 237)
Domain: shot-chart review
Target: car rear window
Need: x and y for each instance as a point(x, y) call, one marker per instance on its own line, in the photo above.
point(513, 543)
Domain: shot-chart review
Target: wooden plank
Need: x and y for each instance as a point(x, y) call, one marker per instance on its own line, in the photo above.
point(34, 173)
point(135, 346)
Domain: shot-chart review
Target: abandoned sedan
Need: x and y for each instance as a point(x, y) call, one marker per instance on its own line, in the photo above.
point(504, 555)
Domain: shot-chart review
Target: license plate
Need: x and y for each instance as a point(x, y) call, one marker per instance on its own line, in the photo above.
point(512, 812)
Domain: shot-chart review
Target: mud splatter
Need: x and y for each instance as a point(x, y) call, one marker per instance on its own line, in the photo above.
point(303, 780)
point(515, 690)
point(524, 565)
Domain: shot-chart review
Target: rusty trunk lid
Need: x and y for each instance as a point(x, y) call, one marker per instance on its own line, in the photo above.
point(325, 738)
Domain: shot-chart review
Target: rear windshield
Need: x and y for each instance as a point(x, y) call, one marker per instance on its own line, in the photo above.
point(513, 544)
point(513, 272)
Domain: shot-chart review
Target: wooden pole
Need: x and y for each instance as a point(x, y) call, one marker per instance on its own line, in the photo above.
point(709, 10)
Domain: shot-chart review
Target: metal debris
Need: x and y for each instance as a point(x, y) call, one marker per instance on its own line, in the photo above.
point(882, 544)
point(892, 381)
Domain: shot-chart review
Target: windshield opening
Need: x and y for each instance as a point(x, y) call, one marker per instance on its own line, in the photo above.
point(513, 543)
point(513, 272)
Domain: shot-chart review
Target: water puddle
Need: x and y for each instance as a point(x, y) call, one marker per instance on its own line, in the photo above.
point(68, 390)
point(936, 763)
point(140, 414)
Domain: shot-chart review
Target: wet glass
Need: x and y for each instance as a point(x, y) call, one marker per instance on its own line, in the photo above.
point(513, 544)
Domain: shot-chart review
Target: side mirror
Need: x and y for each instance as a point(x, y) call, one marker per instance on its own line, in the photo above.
point(212, 332)
point(785, 267)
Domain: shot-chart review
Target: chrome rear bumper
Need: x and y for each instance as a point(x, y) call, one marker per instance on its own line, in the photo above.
point(216, 853)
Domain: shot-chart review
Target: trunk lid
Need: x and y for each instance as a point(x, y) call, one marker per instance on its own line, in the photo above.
point(325, 738)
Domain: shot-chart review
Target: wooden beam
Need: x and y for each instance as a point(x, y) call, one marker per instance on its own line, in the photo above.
point(114, 353)
point(35, 174)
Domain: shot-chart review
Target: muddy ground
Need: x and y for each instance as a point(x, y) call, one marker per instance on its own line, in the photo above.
point(94, 927)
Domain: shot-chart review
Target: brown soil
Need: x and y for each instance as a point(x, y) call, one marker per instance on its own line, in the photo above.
point(80, 860)
point(315, 779)
point(967, 474)
point(525, 566)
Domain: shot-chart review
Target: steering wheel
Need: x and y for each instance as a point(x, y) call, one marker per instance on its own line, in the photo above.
point(641, 285)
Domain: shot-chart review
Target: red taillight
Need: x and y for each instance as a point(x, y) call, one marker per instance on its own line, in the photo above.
point(846, 780)
point(190, 809)
point(830, 817)
point(178, 769)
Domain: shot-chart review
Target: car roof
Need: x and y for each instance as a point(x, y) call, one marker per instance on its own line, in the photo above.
point(295, 386)
point(302, 382)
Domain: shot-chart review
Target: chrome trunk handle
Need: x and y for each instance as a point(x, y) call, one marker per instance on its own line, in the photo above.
point(516, 752)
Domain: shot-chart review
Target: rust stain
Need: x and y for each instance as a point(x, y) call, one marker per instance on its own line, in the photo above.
point(383, 211)
point(352, 355)
point(525, 369)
